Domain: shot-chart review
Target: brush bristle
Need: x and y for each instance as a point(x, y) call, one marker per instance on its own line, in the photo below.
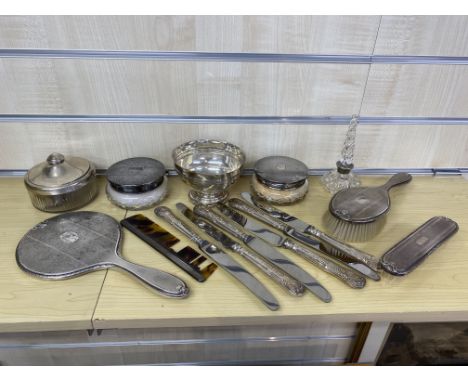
point(353, 232)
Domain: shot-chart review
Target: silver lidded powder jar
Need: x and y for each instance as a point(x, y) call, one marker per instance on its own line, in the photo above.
point(136, 183)
point(61, 183)
point(280, 179)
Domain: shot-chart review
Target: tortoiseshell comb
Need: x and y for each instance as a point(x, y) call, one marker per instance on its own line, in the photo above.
point(161, 240)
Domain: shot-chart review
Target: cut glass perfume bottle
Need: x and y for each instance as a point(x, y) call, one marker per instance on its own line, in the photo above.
point(343, 177)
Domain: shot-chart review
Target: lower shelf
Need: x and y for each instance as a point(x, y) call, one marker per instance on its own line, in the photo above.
point(299, 344)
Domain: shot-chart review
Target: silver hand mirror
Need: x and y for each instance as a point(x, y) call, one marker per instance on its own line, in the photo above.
point(75, 243)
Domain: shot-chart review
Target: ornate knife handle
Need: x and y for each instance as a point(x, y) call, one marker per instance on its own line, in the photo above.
point(281, 277)
point(166, 214)
point(263, 216)
point(346, 275)
point(360, 256)
point(293, 286)
point(272, 211)
point(220, 221)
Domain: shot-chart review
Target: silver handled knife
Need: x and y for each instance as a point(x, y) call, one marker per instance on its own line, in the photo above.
point(222, 259)
point(265, 250)
point(294, 227)
point(282, 278)
point(314, 256)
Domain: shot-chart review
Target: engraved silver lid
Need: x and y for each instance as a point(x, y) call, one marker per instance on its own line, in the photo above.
point(281, 172)
point(136, 175)
point(59, 174)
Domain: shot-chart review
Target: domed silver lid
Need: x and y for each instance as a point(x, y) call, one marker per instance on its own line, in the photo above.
point(59, 173)
point(281, 172)
point(136, 175)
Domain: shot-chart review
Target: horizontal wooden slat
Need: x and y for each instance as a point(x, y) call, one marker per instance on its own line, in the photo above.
point(423, 35)
point(319, 146)
point(406, 146)
point(105, 144)
point(157, 87)
point(280, 34)
point(416, 90)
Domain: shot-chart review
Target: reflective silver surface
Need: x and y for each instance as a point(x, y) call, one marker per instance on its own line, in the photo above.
point(221, 258)
point(296, 227)
point(210, 167)
point(410, 252)
point(266, 250)
point(61, 183)
point(136, 175)
point(281, 172)
point(74, 243)
point(311, 254)
point(365, 204)
point(277, 274)
point(231, 56)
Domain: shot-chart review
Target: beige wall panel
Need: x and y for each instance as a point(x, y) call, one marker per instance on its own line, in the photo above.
point(416, 90)
point(423, 35)
point(278, 34)
point(105, 144)
point(163, 87)
point(24, 145)
point(409, 146)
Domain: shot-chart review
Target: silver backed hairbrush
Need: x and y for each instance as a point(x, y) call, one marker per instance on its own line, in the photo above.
point(357, 214)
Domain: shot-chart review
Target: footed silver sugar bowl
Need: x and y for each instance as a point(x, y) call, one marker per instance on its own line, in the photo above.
point(210, 167)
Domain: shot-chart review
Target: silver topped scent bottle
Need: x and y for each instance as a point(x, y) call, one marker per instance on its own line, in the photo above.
point(280, 179)
point(343, 177)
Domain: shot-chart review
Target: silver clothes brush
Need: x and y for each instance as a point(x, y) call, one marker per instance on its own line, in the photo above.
point(358, 214)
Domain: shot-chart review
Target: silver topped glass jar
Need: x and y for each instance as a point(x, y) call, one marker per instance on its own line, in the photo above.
point(61, 183)
point(136, 183)
point(280, 179)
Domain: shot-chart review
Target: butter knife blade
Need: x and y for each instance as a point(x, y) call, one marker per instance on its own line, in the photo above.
point(313, 255)
point(290, 220)
point(368, 264)
point(264, 249)
point(222, 259)
point(276, 273)
point(241, 274)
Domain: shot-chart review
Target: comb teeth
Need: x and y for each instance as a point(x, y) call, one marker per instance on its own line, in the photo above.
point(353, 232)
